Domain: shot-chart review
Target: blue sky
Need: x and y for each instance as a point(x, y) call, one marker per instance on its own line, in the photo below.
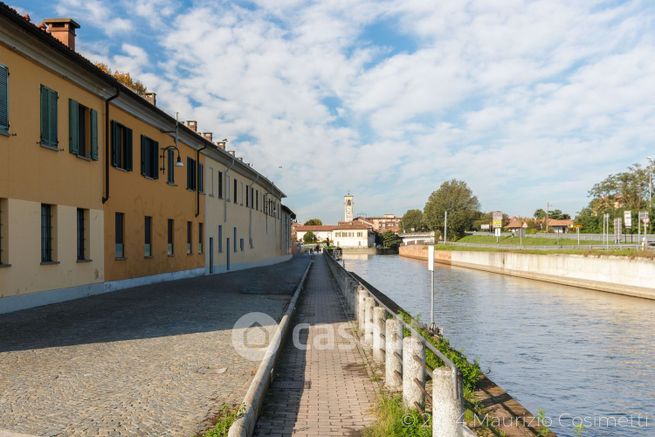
point(527, 101)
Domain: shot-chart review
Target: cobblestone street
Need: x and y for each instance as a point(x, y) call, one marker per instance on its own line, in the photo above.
point(153, 360)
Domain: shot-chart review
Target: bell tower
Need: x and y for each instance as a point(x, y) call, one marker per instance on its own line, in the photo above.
point(348, 207)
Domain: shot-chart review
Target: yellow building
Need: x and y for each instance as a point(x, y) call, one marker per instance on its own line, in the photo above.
point(101, 190)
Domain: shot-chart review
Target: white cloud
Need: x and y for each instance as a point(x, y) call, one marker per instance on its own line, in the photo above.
point(528, 101)
point(95, 12)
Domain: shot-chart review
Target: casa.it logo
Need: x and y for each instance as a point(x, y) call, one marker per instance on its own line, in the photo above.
point(252, 334)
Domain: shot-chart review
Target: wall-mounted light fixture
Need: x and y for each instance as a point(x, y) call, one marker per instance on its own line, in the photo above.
point(178, 161)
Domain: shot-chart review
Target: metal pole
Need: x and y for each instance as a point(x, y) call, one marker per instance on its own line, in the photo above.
point(445, 226)
point(432, 298)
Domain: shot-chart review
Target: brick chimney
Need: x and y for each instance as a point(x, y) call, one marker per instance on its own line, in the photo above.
point(221, 144)
point(152, 98)
point(208, 136)
point(193, 125)
point(63, 29)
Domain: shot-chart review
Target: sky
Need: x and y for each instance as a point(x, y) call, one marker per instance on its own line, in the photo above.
point(527, 101)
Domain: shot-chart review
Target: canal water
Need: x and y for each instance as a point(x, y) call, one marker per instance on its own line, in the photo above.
point(581, 356)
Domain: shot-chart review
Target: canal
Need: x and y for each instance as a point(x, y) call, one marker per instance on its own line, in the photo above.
point(578, 355)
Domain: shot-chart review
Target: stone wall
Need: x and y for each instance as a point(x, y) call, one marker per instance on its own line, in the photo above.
point(614, 274)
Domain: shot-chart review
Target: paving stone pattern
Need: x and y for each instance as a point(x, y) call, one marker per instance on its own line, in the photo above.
point(152, 360)
point(320, 391)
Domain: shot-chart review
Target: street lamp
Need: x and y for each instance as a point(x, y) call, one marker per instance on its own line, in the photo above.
point(178, 161)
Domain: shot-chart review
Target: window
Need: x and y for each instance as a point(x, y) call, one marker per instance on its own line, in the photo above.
point(200, 237)
point(189, 238)
point(170, 249)
point(4, 218)
point(4, 100)
point(191, 174)
point(121, 146)
point(211, 181)
point(46, 233)
point(170, 166)
point(49, 99)
point(234, 239)
point(147, 236)
point(241, 246)
point(236, 185)
point(82, 130)
point(82, 234)
point(252, 197)
point(220, 184)
point(201, 178)
point(149, 153)
point(257, 200)
point(241, 190)
point(220, 238)
point(247, 196)
point(119, 235)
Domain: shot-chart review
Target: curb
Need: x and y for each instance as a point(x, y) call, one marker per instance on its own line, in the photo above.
point(252, 402)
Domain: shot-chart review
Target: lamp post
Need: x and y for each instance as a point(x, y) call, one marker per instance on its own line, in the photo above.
point(178, 161)
point(651, 167)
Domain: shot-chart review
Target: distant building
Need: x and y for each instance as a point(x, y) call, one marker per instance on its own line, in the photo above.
point(348, 206)
point(516, 223)
point(345, 235)
point(560, 226)
point(387, 222)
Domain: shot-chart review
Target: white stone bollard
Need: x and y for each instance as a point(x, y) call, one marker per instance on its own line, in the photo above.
point(361, 308)
point(379, 315)
point(447, 404)
point(413, 371)
point(394, 354)
point(368, 321)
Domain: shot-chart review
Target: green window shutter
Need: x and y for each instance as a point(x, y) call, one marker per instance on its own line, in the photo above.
point(144, 154)
point(73, 127)
point(53, 98)
point(44, 115)
point(155, 159)
point(94, 134)
point(115, 143)
point(4, 98)
point(128, 149)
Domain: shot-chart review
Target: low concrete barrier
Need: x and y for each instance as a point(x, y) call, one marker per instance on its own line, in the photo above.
point(251, 405)
point(612, 274)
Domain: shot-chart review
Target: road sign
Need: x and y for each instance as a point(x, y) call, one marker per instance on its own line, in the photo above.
point(485, 226)
point(430, 258)
point(497, 219)
point(497, 231)
point(627, 219)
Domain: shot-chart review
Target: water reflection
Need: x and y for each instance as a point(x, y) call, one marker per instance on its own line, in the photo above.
point(572, 352)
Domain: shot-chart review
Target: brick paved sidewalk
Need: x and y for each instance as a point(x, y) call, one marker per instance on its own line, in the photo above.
point(320, 391)
point(153, 360)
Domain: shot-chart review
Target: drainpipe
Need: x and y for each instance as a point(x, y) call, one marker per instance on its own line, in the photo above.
point(198, 179)
point(228, 189)
point(105, 197)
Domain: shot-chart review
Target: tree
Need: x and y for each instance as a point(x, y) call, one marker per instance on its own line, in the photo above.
point(309, 237)
point(125, 78)
point(390, 240)
point(457, 198)
point(314, 222)
point(412, 221)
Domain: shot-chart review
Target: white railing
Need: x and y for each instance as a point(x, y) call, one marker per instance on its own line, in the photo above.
point(403, 358)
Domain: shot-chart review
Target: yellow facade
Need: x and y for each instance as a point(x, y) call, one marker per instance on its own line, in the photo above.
point(31, 175)
point(137, 196)
point(65, 197)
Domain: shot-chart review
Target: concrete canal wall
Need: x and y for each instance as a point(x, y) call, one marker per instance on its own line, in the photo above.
point(613, 274)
